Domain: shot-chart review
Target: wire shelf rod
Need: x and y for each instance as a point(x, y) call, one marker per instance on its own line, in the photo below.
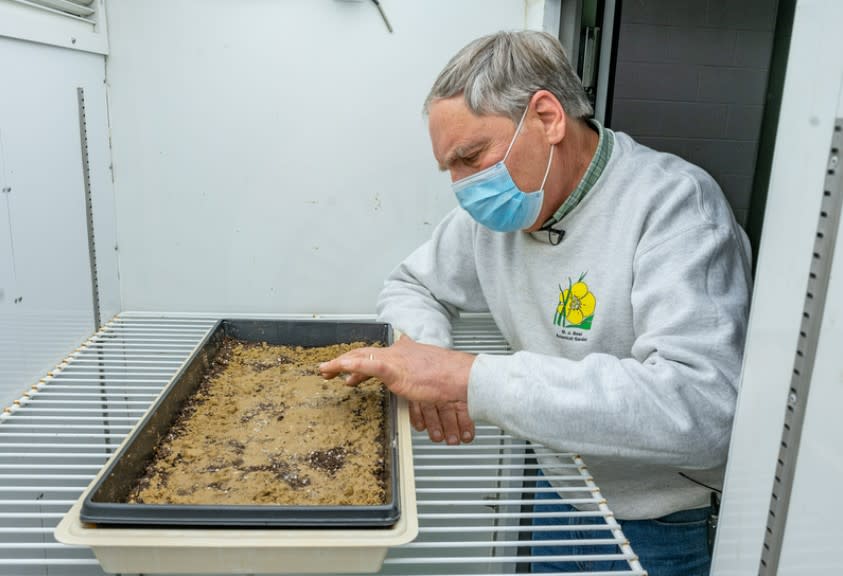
point(66, 389)
point(52, 477)
point(74, 489)
point(504, 559)
point(49, 562)
point(153, 346)
point(35, 420)
point(463, 457)
point(100, 371)
point(456, 516)
point(610, 517)
point(504, 490)
point(56, 435)
point(48, 394)
point(503, 529)
point(429, 467)
point(128, 338)
point(94, 467)
point(41, 401)
point(25, 410)
point(6, 445)
point(477, 460)
point(40, 546)
point(132, 318)
point(492, 447)
point(59, 455)
point(54, 515)
point(122, 361)
point(494, 502)
point(66, 503)
point(196, 331)
point(65, 427)
point(50, 379)
point(60, 392)
point(125, 356)
point(512, 543)
point(424, 478)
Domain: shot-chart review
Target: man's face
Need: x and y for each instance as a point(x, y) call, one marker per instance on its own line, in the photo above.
point(465, 143)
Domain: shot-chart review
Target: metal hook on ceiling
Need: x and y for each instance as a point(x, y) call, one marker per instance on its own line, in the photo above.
point(383, 15)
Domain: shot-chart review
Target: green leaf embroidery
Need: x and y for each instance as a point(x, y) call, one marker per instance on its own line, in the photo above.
point(565, 304)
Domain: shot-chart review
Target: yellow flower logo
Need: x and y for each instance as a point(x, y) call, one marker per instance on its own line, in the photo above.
point(576, 306)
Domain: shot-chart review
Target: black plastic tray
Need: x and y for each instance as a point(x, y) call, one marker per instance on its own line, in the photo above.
point(106, 501)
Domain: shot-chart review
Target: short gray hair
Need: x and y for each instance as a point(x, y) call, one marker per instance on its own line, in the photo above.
point(499, 73)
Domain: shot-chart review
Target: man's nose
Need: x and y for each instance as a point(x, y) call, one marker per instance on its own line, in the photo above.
point(458, 173)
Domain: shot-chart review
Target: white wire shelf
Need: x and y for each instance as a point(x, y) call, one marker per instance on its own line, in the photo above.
point(474, 501)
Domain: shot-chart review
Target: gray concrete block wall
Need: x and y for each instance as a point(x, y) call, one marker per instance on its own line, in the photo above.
point(690, 79)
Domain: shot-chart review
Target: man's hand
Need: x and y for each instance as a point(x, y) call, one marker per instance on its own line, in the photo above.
point(433, 379)
point(449, 422)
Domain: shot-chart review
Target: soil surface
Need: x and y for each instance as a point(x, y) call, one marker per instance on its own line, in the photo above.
point(265, 428)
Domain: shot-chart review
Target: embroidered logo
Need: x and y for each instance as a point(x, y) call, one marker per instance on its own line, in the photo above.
point(576, 305)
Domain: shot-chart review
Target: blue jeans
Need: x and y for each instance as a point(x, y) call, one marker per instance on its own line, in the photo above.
point(673, 545)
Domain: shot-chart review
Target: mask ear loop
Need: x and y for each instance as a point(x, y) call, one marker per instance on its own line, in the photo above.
point(515, 136)
point(547, 170)
point(517, 131)
point(553, 236)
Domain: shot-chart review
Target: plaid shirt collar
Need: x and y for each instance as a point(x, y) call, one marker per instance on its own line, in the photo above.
point(605, 143)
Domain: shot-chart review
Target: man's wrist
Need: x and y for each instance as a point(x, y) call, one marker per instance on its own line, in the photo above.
point(463, 362)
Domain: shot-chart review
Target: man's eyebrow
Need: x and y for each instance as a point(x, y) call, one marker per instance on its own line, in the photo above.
point(462, 151)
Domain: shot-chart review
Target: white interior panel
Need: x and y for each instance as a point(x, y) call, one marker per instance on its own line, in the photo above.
point(47, 306)
point(806, 122)
point(38, 22)
point(102, 200)
point(813, 531)
point(272, 156)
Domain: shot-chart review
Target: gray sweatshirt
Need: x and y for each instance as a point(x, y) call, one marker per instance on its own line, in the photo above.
point(627, 336)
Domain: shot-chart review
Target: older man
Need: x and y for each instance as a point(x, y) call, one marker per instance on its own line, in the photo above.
point(618, 276)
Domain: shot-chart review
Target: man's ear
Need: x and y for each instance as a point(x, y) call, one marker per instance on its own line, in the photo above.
point(551, 114)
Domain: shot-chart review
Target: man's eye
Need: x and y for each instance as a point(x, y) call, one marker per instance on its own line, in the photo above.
point(471, 158)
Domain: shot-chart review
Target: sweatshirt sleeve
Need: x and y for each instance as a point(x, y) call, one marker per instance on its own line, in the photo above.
point(672, 401)
point(426, 291)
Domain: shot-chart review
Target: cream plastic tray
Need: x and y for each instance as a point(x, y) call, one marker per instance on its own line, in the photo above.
point(253, 550)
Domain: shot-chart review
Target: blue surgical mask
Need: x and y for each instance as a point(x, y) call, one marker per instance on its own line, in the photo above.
point(495, 201)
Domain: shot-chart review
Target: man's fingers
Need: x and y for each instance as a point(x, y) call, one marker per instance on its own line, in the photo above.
point(431, 420)
point(465, 424)
point(331, 369)
point(356, 378)
point(448, 417)
point(356, 366)
point(416, 416)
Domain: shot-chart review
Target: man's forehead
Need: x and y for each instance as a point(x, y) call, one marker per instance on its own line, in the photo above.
point(454, 114)
point(457, 131)
point(464, 146)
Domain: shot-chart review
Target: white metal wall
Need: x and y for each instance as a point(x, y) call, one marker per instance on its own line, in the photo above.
point(812, 535)
point(46, 303)
point(272, 156)
point(810, 102)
